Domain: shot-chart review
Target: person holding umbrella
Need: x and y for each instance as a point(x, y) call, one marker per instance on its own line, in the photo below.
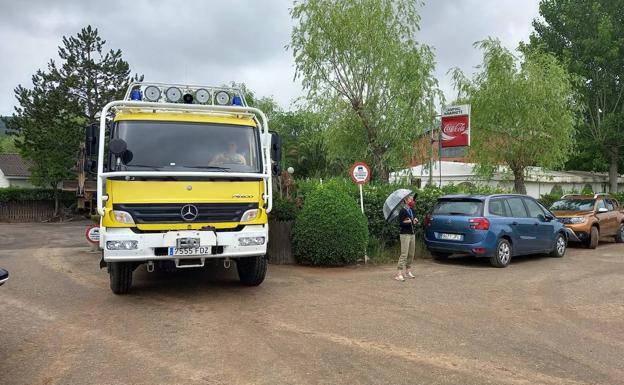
point(400, 204)
point(407, 220)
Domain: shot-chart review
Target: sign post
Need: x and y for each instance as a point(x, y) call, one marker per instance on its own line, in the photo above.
point(93, 236)
point(360, 174)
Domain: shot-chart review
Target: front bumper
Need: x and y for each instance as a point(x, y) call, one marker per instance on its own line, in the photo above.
point(153, 246)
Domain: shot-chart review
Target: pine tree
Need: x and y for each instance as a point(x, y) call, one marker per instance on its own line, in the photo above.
point(51, 115)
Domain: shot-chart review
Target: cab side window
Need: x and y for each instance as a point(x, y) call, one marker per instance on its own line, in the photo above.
point(496, 207)
point(535, 211)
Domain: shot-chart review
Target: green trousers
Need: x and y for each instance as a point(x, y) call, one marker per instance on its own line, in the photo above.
point(408, 249)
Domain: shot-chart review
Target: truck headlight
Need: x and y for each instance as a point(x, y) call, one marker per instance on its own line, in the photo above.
point(249, 215)
point(251, 241)
point(577, 220)
point(123, 217)
point(122, 245)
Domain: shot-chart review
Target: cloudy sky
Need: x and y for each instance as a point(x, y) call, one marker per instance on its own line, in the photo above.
point(213, 42)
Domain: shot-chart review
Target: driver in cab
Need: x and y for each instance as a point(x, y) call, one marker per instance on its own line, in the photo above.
point(231, 156)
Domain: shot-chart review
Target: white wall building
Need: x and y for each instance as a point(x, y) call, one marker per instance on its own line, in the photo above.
point(14, 171)
point(537, 180)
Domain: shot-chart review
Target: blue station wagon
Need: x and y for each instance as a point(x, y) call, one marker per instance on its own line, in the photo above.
point(497, 227)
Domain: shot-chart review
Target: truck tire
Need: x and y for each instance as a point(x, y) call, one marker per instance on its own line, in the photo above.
point(251, 270)
point(120, 274)
point(619, 237)
point(561, 245)
point(438, 256)
point(502, 254)
point(594, 237)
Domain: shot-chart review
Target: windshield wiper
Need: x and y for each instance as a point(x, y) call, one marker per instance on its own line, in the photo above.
point(209, 167)
point(153, 168)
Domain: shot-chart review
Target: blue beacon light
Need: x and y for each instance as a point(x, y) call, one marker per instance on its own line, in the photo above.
point(135, 95)
point(237, 101)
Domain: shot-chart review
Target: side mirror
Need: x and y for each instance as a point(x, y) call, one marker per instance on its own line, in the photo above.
point(276, 153)
point(91, 139)
point(548, 218)
point(603, 210)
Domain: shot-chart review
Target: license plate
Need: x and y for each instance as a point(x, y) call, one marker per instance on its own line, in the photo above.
point(451, 237)
point(189, 251)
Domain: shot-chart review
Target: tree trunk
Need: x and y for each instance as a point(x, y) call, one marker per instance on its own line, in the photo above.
point(56, 199)
point(519, 187)
point(613, 169)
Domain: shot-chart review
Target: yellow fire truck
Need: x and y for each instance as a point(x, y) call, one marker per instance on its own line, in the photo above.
point(184, 175)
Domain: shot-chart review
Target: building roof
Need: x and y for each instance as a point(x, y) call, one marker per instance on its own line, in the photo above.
point(14, 165)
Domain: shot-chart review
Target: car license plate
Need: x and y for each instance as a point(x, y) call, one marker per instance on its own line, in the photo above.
point(451, 237)
point(175, 251)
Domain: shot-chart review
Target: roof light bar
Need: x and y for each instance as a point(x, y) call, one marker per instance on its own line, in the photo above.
point(188, 94)
point(173, 94)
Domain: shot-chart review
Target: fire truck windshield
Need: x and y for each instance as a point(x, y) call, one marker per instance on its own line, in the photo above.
point(164, 145)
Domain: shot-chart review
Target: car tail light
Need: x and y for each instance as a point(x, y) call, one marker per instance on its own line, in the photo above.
point(428, 220)
point(479, 223)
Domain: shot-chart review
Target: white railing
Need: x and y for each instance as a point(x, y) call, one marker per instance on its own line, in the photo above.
point(265, 136)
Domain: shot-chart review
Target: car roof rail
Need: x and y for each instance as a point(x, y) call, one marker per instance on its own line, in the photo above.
point(601, 195)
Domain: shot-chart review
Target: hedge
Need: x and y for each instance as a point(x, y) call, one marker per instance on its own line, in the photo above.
point(330, 230)
point(11, 194)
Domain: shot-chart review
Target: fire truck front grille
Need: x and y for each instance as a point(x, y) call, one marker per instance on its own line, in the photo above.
point(186, 212)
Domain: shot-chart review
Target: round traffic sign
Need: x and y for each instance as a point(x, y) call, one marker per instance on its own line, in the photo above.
point(93, 234)
point(360, 173)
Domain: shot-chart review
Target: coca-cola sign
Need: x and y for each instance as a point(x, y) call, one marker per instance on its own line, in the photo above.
point(455, 126)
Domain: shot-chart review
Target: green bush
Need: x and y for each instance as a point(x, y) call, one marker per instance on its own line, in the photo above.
point(330, 230)
point(10, 194)
point(283, 210)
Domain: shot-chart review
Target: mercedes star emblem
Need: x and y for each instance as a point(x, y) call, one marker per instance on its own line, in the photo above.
point(189, 212)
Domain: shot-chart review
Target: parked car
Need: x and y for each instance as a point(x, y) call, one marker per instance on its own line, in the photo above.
point(4, 276)
point(591, 217)
point(497, 227)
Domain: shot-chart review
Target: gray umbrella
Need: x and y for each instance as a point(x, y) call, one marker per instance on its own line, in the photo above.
point(393, 203)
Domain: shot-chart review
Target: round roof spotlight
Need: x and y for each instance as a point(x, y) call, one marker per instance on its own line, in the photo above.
point(202, 96)
point(152, 93)
point(223, 98)
point(173, 94)
point(187, 98)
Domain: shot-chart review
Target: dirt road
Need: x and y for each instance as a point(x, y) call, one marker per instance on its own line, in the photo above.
point(539, 321)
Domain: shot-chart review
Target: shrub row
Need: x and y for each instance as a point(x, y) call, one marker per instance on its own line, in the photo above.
point(10, 194)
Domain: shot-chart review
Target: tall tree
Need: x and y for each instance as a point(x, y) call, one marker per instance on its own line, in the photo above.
point(522, 112)
point(588, 36)
point(52, 114)
point(361, 59)
point(51, 127)
point(91, 75)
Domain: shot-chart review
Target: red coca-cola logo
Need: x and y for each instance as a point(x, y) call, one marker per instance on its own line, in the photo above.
point(456, 127)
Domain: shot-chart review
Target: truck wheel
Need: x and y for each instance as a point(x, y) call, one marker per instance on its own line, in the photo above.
point(502, 254)
point(619, 237)
point(438, 256)
point(560, 246)
point(594, 237)
point(120, 274)
point(251, 270)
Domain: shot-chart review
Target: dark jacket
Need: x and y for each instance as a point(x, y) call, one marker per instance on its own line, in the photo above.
point(406, 228)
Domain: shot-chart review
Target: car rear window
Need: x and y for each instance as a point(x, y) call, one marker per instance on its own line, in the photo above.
point(465, 207)
point(573, 205)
